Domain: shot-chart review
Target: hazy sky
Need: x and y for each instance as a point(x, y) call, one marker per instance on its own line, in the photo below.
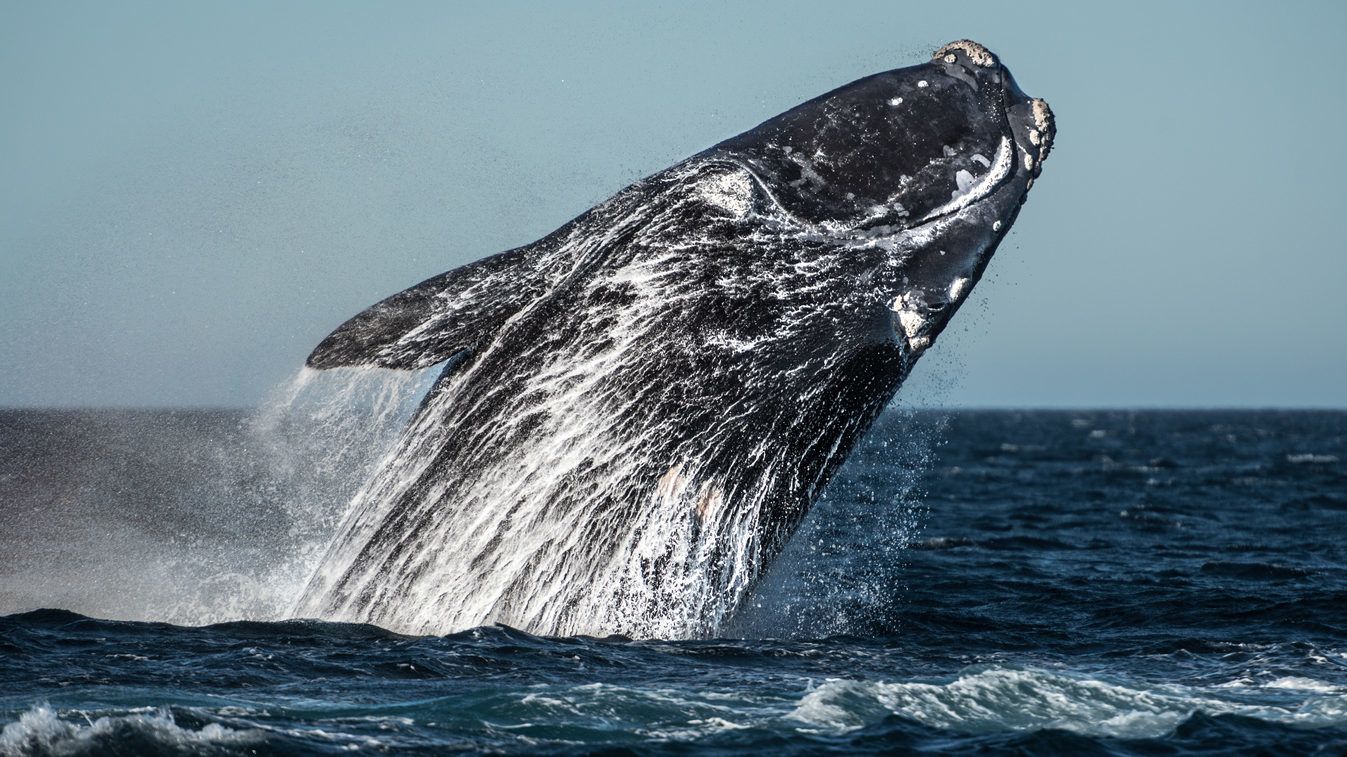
point(192, 195)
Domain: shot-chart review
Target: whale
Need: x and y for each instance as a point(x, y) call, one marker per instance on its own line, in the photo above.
point(635, 412)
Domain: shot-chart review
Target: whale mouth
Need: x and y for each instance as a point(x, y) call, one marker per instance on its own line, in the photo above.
point(989, 201)
point(1028, 128)
point(1022, 128)
point(919, 171)
point(971, 189)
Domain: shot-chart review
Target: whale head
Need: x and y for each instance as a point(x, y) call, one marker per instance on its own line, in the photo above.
point(930, 163)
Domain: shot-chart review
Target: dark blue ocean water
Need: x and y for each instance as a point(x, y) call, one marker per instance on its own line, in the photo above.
point(1038, 583)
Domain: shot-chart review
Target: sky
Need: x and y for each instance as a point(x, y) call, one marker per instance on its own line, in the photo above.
point(193, 194)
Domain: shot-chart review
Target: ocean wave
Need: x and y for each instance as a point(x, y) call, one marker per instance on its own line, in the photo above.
point(1003, 699)
point(1311, 458)
point(41, 730)
point(1300, 683)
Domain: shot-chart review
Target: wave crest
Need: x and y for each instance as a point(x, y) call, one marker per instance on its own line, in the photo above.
point(41, 730)
point(1008, 699)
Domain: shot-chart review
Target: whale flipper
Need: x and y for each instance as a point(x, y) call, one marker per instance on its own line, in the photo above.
point(436, 319)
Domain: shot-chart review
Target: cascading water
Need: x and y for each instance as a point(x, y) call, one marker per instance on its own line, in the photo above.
point(312, 443)
point(821, 584)
point(317, 438)
point(195, 516)
point(323, 432)
point(564, 495)
point(792, 598)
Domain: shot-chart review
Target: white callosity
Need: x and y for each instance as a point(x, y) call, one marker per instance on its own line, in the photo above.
point(909, 310)
point(957, 288)
point(1044, 128)
point(979, 55)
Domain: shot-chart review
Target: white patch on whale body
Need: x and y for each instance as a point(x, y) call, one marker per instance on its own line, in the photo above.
point(977, 54)
point(956, 289)
point(982, 187)
point(908, 309)
point(911, 321)
point(731, 192)
point(807, 172)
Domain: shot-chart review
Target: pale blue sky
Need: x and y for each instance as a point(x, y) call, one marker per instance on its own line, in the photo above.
point(192, 195)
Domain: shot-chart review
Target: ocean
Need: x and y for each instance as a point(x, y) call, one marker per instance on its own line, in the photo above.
point(1058, 582)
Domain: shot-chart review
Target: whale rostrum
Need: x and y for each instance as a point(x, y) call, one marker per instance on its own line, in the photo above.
point(639, 408)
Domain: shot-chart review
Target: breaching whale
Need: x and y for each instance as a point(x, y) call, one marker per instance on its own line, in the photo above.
point(640, 407)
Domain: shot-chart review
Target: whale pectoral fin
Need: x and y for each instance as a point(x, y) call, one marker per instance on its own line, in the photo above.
point(436, 319)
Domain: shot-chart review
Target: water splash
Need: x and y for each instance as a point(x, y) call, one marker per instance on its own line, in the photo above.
point(839, 573)
point(610, 459)
point(41, 730)
point(318, 438)
point(324, 431)
point(795, 598)
point(197, 516)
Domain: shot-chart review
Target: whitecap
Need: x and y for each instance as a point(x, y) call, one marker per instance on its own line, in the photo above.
point(1003, 699)
point(1299, 683)
point(41, 729)
point(1311, 459)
